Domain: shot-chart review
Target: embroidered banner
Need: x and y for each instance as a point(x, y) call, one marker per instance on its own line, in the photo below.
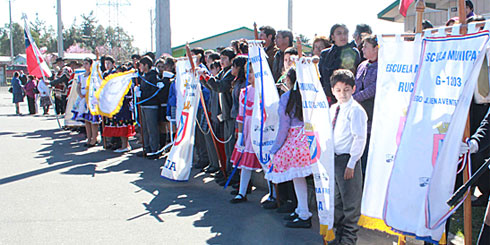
point(265, 120)
point(93, 84)
point(425, 165)
point(182, 78)
point(398, 63)
point(112, 91)
point(318, 130)
point(73, 101)
point(178, 164)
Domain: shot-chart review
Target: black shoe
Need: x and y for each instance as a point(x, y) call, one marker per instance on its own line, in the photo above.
point(153, 157)
point(200, 165)
point(141, 154)
point(299, 223)
point(290, 217)
point(238, 199)
point(269, 204)
point(235, 192)
point(211, 170)
point(286, 208)
point(219, 175)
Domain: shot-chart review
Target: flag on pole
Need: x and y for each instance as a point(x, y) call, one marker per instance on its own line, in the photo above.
point(94, 81)
point(112, 91)
point(319, 134)
point(404, 4)
point(425, 166)
point(265, 120)
point(36, 65)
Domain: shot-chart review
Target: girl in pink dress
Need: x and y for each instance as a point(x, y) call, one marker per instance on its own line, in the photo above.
point(243, 154)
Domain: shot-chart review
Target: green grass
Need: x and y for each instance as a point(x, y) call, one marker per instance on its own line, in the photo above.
point(457, 222)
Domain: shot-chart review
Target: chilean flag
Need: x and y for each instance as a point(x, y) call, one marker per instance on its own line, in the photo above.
point(36, 65)
point(404, 4)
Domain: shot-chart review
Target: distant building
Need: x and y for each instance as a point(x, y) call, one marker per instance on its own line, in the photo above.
point(438, 12)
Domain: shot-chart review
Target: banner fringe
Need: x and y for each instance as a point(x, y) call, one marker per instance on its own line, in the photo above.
point(328, 234)
point(376, 224)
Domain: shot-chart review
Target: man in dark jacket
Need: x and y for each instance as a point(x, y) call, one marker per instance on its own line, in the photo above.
point(284, 40)
point(268, 35)
point(149, 109)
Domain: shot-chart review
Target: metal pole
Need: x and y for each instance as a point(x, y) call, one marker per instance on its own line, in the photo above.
point(162, 30)
point(151, 29)
point(290, 15)
point(11, 34)
point(60, 29)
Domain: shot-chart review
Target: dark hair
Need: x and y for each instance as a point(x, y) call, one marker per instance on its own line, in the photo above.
point(228, 52)
point(151, 55)
point(469, 4)
point(121, 68)
point(146, 60)
point(370, 39)
point(215, 64)
point(31, 77)
point(426, 24)
point(363, 28)
point(135, 56)
point(214, 56)
point(324, 40)
point(288, 34)
point(475, 18)
point(291, 51)
point(16, 74)
point(343, 76)
point(332, 30)
point(170, 62)
point(88, 60)
point(295, 103)
point(109, 58)
point(268, 30)
point(161, 60)
point(240, 61)
point(199, 51)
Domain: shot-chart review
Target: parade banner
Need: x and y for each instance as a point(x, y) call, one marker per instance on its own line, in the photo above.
point(265, 120)
point(111, 93)
point(182, 78)
point(425, 165)
point(93, 84)
point(397, 65)
point(178, 164)
point(73, 101)
point(318, 130)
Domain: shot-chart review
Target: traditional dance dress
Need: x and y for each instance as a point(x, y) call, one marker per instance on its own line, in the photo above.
point(121, 124)
point(244, 155)
point(80, 109)
point(291, 152)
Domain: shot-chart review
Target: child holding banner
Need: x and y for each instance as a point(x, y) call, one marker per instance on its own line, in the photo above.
point(349, 125)
point(243, 154)
point(291, 153)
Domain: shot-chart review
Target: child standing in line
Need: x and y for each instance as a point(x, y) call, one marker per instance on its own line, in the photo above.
point(291, 159)
point(349, 122)
point(243, 154)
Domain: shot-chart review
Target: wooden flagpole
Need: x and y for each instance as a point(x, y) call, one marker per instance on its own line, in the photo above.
point(221, 161)
point(467, 202)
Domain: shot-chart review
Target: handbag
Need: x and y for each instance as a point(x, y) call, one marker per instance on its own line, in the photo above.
point(35, 90)
point(10, 90)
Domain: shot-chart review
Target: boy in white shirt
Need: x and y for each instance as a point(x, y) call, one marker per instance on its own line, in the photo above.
point(349, 122)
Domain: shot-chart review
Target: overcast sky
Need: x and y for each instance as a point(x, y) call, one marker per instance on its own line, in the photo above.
point(196, 19)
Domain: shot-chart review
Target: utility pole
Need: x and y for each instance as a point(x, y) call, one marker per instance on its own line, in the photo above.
point(60, 29)
point(290, 15)
point(151, 30)
point(163, 33)
point(11, 34)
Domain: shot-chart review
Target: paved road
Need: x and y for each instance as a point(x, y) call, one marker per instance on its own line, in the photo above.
point(54, 190)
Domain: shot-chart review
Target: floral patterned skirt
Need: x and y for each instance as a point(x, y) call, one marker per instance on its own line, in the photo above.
point(292, 160)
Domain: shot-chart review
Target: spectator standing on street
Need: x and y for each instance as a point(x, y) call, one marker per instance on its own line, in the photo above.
point(17, 92)
point(31, 89)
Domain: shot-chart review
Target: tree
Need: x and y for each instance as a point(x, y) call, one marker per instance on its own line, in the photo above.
point(304, 39)
point(88, 30)
point(18, 35)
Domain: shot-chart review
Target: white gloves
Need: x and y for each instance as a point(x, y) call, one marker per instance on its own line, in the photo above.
point(160, 85)
point(472, 146)
point(239, 141)
point(137, 91)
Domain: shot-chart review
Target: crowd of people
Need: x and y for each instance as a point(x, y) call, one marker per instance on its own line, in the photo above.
point(348, 71)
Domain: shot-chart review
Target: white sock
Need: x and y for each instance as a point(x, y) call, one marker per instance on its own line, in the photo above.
point(245, 176)
point(302, 196)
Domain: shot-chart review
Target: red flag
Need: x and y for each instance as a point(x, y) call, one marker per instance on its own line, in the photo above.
point(36, 65)
point(404, 4)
